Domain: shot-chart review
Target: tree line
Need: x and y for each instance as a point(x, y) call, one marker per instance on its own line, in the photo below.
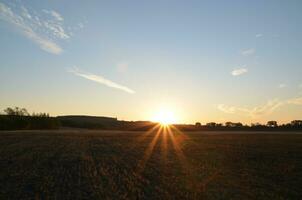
point(270, 125)
point(19, 118)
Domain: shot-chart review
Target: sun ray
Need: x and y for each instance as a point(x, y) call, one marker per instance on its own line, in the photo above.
point(179, 133)
point(146, 134)
point(190, 178)
point(182, 135)
point(143, 136)
point(164, 147)
point(169, 133)
point(142, 163)
point(175, 144)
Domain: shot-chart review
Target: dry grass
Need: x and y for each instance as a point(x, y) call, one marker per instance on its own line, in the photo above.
point(160, 164)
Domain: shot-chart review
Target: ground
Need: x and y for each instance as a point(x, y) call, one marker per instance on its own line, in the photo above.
point(80, 164)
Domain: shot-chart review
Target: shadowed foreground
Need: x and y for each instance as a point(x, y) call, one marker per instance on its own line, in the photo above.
point(162, 163)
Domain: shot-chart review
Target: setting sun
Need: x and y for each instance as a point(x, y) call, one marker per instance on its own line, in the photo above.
point(164, 117)
point(150, 99)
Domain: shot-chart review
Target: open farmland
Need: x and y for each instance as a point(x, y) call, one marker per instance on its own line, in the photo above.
point(152, 165)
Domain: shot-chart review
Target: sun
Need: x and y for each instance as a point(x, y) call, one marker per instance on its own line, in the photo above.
point(165, 117)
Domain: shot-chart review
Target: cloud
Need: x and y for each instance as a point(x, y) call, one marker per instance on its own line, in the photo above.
point(25, 13)
point(265, 109)
point(57, 30)
point(45, 44)
point(261, 110)
point(238, 72)
point(259, 35)
point(81, 25)
point(248, 52)
point(229, 109)
point(300, 86)
point(295, 101)
point(101, 80)
point(282, 85)
point(54, 14)
point(41, 30)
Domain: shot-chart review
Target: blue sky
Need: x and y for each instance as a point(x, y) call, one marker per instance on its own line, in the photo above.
point(205, 60)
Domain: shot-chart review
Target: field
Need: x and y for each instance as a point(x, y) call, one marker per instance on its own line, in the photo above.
point(159, 164)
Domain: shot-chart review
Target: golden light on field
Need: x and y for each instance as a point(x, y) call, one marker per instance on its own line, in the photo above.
point(166, 138)
point(165, 117)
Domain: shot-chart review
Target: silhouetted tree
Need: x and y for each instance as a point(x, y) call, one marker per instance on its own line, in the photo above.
point(232, 124)
point(211, 124)
point(272, 124)
point(296, 123)
point(19, 118)
point(198, 124)
point(257, 124)
point(16, 111)
point(219, 125)
point(229, 124)
point(238, 124)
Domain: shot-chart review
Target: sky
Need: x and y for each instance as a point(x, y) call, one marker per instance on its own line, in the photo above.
point(202, 60)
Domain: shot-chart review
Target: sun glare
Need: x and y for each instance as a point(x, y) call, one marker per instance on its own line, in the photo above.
point(164, 117)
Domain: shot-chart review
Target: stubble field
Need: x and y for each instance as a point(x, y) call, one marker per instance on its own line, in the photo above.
point(159, 164)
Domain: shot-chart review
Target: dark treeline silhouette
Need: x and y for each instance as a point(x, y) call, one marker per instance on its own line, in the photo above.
point(269, 126)
point(19, 118)
point(105, 123)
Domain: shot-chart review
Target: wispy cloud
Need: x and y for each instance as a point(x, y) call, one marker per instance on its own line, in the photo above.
point(41, 30)
point(282, 85)
point(101, 80)
point(295, 101)
point(240, 71)
point(25, 13)
point(261, 110)
point(265, 109)
point(80, 25)
point(248, 52)
point(55, 14)
point(229, 109)
point(259, 35)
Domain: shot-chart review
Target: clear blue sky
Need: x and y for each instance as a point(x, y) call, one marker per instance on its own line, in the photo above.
point(204, 60)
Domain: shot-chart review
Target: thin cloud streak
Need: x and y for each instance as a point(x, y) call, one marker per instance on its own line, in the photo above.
point(238, 72)
point(101, 80)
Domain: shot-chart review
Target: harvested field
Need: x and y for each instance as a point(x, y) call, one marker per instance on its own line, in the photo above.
point(150, 165)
